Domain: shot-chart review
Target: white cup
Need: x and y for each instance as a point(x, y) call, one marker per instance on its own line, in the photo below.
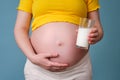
point(83, 32)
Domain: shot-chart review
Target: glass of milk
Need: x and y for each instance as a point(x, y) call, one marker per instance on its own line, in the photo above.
point(83, 32)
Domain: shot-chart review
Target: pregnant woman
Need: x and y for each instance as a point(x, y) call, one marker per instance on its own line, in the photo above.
point(51, 48)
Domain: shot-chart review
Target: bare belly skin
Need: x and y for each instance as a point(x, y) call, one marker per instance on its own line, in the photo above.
point(58, 37)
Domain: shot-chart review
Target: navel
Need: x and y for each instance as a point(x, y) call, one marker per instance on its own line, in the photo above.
point(59, 43)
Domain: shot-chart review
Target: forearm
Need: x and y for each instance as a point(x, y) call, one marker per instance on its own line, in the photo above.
point(22, 39)
point(95, 16)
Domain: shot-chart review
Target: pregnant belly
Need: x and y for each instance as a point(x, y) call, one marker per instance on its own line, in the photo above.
point(58, 37)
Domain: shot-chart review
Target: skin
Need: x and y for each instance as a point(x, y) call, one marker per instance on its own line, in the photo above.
point(96, 33)
point(21, 32)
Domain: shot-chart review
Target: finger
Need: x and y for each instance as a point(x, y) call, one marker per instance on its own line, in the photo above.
point(93, 30)
point(92, 40)
point(54, 69)
point(51, 55)
point(56, 64)
point(93, 35)
point(62, 68)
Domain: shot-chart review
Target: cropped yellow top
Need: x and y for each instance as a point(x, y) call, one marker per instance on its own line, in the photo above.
point(45, 11)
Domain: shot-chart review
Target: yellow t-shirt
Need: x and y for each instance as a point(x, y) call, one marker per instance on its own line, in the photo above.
point(45, 11)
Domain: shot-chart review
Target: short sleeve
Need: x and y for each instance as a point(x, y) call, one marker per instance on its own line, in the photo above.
point(25, 5)
point(92, 5)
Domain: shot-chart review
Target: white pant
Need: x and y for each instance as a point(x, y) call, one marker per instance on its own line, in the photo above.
point(80, 71)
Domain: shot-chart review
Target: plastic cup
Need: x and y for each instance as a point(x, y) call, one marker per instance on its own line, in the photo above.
point(83, 32)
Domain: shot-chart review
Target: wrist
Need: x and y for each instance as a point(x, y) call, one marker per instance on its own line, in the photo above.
point(32, 57)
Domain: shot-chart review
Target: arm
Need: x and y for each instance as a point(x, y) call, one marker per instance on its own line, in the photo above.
point(96, 33)
point(21, 32)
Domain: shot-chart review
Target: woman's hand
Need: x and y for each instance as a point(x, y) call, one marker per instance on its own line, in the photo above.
point(43, 60)
point(96, 33)
point(93, 36)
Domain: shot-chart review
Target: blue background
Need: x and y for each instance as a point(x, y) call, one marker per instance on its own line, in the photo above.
point(105, 55)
